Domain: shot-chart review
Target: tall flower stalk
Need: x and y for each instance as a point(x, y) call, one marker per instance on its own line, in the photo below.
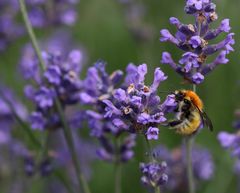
point(154, 172)
point(194, 40)
point(189, 145)
point(118, 169)
point(151, 160)
point(67, 131)
point(31, 32)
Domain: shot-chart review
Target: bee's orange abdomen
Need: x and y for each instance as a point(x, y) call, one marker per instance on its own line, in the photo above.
point(195, 99)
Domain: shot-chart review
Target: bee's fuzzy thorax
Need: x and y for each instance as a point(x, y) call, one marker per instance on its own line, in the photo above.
point(194, 98)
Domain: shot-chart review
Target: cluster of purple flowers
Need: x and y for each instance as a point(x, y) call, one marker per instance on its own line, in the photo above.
point(10, 29)
point(231, 141)
point(154, 174)
point(202, 163)
point(194, 39)
point(8, 103)
point(60, 80)
point(121, 153)
point(42, 13)
point(119, 107)
point(97, 87)
point(136, 107)
point(11, 112)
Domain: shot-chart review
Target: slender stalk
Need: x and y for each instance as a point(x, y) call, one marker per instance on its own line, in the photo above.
point(151, 158)
point(31, 32)
point(149, 147)
point(194, 88)
point(118, 177)
point(69, 138)
point(67, 131)
point(189, 143)
point(118, 168)
point(238, 184)
point(28, 131)
point(157, 190)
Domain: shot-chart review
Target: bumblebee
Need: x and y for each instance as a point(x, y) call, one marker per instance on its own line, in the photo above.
point(189, 113)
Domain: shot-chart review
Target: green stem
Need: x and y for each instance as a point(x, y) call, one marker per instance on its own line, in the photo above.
point(118, 168)
point(194, 88)
point(118, 177)
point(157, 190)
point(189, 143)
point(149, 147)
point(31, 32)
point(69, 138)
point(151, 158)
point(28, 131)
point(67, 131)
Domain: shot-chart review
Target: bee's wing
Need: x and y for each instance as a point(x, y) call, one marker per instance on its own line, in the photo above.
point(206, 120)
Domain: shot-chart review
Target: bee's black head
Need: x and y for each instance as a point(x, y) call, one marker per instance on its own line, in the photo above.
point(179, 95)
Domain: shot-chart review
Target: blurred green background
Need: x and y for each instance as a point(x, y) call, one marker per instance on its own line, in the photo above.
point(102, 29)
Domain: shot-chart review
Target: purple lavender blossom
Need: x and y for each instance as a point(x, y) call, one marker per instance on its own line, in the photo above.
point(44, 97)
point(59, 47)
point(7, 117)
point(152, 133)
point(37, 120)
point(51, 12)
point(59, 79)
point(122, 108)
point(230, 141)
point(108, 152)
point(41, 14)
point(154, 174)
point(137, 104)
point(10, 29)
point(98, 86)
point(29, 166)
point(11, 112)
point(98, 91)
point(203, 166)
point(194, 39)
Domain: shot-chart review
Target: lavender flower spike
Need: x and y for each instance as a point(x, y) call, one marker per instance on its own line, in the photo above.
point(203, 165)
point(194, 40)
point(154, 174)
point(137, 106)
